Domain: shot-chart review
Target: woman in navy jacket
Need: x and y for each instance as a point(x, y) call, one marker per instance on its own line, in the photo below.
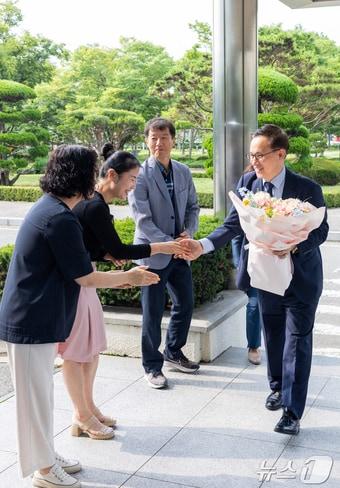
point(48, 266)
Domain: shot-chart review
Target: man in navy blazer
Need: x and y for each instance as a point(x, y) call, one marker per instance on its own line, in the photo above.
point(164, 205)
point(288, 321)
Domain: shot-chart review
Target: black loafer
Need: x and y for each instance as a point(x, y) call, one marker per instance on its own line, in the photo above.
point(274, 401)
point(288, 424)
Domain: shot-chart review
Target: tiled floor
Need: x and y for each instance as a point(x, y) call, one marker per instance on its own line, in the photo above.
point(209, 430)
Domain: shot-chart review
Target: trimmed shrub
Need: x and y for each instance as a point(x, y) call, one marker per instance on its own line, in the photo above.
point(210, 272)
point(324, 163)
point(18, 138)
point(276, 87)
point(11, 91)
point(302, 131)
point(199, 175)
point(39, 165)
point(20, 193)
point(283, 120)
point(299, 145)
point(5, 257)
point(322, 176)
point(318, 142)
point(193, 163)
point(332, 199)
point(208, 144)
point(32, 194)
point(205, 200)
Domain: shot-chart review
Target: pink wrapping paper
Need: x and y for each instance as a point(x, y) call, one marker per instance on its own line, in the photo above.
point(267, 271)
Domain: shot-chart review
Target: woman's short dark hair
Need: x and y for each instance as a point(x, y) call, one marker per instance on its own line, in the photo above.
point(278, 138)
point(120, 161)
point(71, 169)
point(161, 124)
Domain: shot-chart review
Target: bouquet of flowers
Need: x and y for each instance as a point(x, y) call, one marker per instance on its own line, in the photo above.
point(273, 224)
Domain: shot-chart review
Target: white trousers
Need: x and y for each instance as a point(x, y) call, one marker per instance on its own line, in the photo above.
point(31, 368)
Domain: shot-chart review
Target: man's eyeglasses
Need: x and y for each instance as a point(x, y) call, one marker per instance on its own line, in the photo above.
point(259, 156)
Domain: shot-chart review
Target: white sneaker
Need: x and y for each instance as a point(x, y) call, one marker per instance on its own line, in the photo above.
point(69, 465)
point(55, 478)
point(156, 379)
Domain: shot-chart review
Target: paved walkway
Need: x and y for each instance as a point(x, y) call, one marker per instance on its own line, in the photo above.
point(209, 430)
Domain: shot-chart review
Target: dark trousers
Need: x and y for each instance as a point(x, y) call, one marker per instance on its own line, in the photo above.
point(177, 279)
point(253, 320)
point(288, 326)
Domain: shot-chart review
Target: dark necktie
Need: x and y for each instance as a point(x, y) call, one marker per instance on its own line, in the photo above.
point(268, 187)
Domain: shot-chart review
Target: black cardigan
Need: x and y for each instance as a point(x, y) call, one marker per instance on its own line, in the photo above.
point(100, 235)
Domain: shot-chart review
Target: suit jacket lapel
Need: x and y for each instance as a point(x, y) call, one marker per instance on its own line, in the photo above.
point(257, 185)
point(156, 172)
point(289, 188)
point(176, 175)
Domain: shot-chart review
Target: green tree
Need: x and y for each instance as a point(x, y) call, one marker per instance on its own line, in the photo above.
point(90, 70)
point(138, 68)
point(22, 139)
point(188, 85)
point(318, 142)
point(277, 92)
point(25, 58)
point(51, 101)
point(95, 125)
point(312, 61)
point(98, 83)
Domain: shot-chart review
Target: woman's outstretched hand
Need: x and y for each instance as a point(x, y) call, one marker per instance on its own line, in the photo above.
point(139, 276)
point(168, 247)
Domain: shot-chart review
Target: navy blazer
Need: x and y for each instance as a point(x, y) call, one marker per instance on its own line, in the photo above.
point(306, 285)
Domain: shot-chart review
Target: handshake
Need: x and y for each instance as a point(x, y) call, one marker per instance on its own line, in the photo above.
point(189, 249)
point(181, 248)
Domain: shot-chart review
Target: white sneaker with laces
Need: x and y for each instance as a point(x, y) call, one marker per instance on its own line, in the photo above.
point(156, 379)
point(69, 465)
point(55, 478)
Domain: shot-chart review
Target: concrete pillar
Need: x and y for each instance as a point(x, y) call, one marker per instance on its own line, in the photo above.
point(234, 92)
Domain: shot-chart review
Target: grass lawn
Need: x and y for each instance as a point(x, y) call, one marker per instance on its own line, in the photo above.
point(28, 180)
point(331, 189)
point(203, 185)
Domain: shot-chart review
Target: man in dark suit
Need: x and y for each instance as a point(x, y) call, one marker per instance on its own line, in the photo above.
point(287, 320)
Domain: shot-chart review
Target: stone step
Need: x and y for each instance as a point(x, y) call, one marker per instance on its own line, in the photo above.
point(215, 327)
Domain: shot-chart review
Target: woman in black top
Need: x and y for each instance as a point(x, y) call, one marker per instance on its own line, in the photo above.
point(81, 351)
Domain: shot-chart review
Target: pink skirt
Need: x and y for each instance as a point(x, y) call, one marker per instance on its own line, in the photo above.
point(87, 338)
